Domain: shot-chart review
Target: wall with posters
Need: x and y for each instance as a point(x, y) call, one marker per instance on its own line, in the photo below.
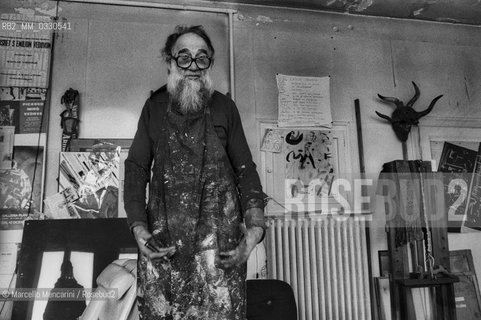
point(373, 55)
point(100, 39)
point(25, 65)
point(112, 55)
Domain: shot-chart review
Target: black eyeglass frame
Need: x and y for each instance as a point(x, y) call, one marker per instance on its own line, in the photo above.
point(192, 60)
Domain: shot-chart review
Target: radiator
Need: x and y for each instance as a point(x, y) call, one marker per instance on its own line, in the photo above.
point(324, 259)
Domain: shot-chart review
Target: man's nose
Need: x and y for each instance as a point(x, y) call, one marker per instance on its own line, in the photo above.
point(193, 66)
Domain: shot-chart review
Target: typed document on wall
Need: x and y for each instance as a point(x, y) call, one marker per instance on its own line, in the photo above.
point(304, 101)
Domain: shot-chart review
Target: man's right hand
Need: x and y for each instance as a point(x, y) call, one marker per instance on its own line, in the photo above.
point(142, 236)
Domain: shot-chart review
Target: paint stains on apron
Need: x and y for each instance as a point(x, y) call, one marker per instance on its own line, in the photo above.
point(194, 205)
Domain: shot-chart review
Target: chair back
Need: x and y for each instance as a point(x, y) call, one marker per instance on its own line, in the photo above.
point(269, 299)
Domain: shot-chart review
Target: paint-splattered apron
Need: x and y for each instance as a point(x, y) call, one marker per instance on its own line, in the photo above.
point(194, 205)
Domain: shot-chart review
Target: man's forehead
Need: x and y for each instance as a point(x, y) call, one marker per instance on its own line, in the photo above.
point(186, 50)
point(190, 42)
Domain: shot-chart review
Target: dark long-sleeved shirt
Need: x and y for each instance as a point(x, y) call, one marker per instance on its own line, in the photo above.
point(228, 126)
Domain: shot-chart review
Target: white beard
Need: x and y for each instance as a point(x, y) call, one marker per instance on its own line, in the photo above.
point(191, 95)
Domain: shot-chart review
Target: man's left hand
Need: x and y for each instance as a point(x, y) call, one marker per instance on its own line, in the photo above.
point(239, 255)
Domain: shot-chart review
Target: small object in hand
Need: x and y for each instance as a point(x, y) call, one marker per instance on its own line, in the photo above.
point(148, 245)
point(224, 255)
point(225, 260)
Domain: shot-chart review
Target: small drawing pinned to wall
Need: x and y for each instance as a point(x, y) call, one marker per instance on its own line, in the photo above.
point(272, 141)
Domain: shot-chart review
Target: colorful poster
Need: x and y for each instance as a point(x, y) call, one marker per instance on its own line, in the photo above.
point(24, 51)
point(94, 178)
point(308, 164)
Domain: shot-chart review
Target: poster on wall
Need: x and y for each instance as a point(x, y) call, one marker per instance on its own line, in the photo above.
point(21, 187)
point(90, 182)
point(31, 117)
point(64, 257)
point(457, 164)
point(8, 111)
point(25, 116)
point(7, 137)
point(272, 141)
point(89, 145)
point(24, 51)
point(309, 168)
point(472, 217)
point(22, 94)
point(63, 272)
point(59, 206)
point(304, 101)
point(8, 258)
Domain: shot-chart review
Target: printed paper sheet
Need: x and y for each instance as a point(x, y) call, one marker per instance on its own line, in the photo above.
point(24, 52)
point(304, 101)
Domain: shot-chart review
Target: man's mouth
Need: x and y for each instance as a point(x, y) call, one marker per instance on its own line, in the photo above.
point(192, 76)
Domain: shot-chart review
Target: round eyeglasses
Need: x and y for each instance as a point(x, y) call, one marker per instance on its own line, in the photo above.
point(184, 61)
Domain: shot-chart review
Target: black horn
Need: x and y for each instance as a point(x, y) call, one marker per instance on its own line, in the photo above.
point(428, 109)
point(415, 97)
point(384, 116)
point(404, 116)
point(390, 99)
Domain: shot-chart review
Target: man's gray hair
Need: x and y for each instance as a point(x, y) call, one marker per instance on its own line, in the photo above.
point(181, 30)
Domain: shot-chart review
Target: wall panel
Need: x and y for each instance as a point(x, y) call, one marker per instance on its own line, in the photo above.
point(112, 57)
point(440, 68)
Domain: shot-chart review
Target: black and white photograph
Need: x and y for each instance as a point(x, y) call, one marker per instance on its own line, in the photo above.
point(61, 262)
point(240, 160)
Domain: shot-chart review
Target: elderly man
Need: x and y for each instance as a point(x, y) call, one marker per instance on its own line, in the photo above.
point(205, 206)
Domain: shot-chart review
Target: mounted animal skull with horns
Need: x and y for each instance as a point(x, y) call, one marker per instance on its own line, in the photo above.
point(404, 116)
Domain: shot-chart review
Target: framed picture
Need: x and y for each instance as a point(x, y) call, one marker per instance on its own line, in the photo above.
point(83, 147)
point(383, 256)
point(304, 169)
point(454, 152)
point(67, 253)
point(383, 297)
point(456, 164)
point(21, 188)
point(466, 291)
